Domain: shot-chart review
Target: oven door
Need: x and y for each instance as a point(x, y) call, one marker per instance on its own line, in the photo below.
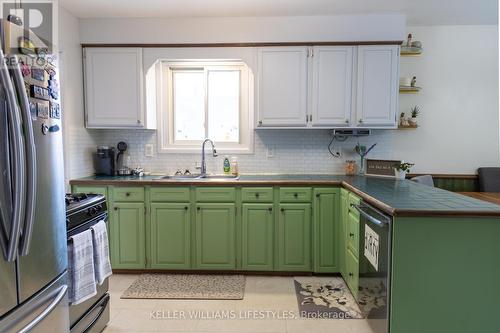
point(374, 266)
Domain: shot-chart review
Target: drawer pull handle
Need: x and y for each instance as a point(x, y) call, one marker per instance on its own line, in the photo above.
point(295, 194)
point(127, 194)
point(257, 195)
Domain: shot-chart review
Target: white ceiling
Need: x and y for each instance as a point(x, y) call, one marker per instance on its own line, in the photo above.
point(418, 12)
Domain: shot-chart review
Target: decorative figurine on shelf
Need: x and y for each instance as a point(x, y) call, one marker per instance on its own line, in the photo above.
point(413, 81)
point(362, 151)
point(415, 111)
point(408, 40)
point(403, 122)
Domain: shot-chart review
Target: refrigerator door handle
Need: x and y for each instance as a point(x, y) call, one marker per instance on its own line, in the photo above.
point(31, 170)
point(18, 163)
point(58, 296)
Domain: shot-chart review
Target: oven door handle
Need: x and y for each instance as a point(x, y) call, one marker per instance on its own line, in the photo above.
point(103, 306)
point(369, 217)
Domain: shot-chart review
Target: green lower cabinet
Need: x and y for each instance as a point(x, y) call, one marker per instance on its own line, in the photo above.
point(325, 230)
point(257, 237)
point(343, 214)
point(170, 236)
point(128, 236)
point(215, 236)
point(352, 276)
point(294, 237)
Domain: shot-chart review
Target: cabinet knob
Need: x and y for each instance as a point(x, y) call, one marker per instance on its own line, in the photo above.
point(351, 234)
point(296, 195)
point(257, 195)
point(360, 121)
point(347, 121)
point(138, 121)
point(260, 122)
point(186, 208)
point(116, 208)
point(317, 195)
point(282, 209)
point(270, 209)
point(127, 194)
point(350, 274)
point(198, 208)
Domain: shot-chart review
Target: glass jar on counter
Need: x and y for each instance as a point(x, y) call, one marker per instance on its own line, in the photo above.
point(350, 168)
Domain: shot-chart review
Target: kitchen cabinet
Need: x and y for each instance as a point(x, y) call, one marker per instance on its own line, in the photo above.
point(326, 230)
point(282, 85)
point(344, 211)
point(377, 85)
point(332, 85)
point(114, 88)
point(215, 236)
point(170, 236)
point(128, 235)
point(257, 236)
point(294, 237)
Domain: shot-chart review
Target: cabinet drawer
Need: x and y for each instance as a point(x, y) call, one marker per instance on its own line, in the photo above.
point(215, 194)
point(91, 189)
point(257, 194)
point(128, 194)
point(170, 194)
point(295, 194)
point(352, 277)
point(353, 234)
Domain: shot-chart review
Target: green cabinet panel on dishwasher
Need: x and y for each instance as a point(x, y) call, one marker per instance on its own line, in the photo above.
point(170, 236)
point(215, 236)
point(325, 230)
point(128, 236)
point(257, 237)
point(294, 237)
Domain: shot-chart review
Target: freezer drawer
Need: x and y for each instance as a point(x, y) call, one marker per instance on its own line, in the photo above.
point(45, 312)
point(96, 318)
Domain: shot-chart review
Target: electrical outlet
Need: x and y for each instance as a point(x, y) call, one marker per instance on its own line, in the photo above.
point(271, 150)
point(148, 150)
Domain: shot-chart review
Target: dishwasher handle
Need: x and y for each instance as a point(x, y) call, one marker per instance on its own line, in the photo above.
point(380, 222)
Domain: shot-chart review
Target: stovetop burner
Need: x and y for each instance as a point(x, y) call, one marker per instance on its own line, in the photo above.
point(75, 197)
point(81, 207)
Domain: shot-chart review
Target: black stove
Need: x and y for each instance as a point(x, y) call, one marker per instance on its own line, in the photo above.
point(82, 208)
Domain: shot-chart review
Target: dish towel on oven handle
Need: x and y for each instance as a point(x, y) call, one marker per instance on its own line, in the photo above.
point(82, 284)
point(102, 263)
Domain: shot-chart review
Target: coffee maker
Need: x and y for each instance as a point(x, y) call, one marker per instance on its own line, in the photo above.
point(104, 161)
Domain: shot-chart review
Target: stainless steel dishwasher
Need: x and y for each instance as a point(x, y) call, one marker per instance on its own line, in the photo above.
point(375, 230)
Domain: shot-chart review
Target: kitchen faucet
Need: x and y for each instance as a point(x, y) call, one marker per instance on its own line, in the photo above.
point(203, 172)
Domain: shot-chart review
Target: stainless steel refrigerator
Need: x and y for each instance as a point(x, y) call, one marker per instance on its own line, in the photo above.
point(33, 259)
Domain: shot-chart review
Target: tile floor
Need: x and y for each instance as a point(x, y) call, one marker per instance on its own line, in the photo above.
point(271, 295)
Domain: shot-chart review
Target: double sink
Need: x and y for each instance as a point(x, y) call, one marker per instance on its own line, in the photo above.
point(200, 177)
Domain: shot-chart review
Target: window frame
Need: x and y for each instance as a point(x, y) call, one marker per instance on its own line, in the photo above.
point(166, 142)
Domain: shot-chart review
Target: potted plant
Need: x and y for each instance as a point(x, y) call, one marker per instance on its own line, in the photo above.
point(401, 169)
point(415, 111)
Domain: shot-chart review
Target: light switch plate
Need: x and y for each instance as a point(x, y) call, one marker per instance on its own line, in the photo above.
point(148, 150)
point(271, 150)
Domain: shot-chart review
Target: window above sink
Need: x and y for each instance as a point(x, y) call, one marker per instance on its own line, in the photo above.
point(205, 99)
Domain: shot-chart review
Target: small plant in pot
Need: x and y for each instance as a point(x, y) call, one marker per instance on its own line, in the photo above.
point(415, 111)
point(401, 169)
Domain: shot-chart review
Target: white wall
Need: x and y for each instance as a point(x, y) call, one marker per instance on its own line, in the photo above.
point(78, 142)
point(459, 126)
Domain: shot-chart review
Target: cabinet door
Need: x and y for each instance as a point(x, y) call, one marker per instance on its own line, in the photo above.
point(332, 85)
point(344, 213)
point(128, 236)
point(325, 230)
point(215, 236)
point(377, 87)
point(170, 236)
point(294, 237)
point(282, 86)
point(114, 87)
point(257, 237)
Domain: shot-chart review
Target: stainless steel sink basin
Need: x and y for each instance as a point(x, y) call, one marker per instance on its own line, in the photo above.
point(200, 178)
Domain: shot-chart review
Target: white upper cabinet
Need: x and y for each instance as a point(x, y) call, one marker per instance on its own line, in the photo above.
point(114, 88)
point(282, 86)
point(332, 86)
point(377, 86)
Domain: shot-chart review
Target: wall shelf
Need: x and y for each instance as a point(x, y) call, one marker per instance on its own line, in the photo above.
point(411, 51)
point(409, 90)
point(401, 127)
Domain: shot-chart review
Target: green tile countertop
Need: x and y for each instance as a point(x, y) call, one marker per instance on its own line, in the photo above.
point(395, 197)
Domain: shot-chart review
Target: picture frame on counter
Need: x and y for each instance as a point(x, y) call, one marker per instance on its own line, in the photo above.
point(381, 168)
